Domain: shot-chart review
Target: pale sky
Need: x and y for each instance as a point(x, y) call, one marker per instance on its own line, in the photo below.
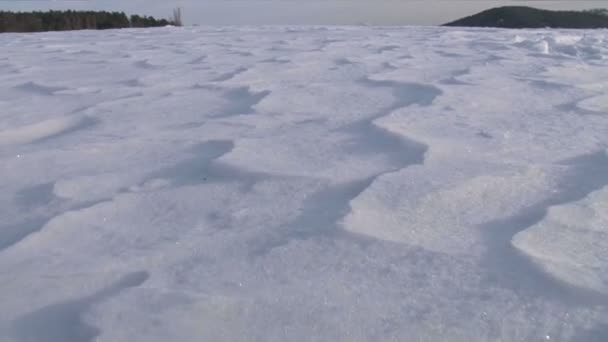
point(300, 12)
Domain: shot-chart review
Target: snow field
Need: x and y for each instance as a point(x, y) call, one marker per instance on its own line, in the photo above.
point(303, 184)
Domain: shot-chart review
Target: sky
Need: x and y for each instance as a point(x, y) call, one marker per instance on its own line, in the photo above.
point(300, 12)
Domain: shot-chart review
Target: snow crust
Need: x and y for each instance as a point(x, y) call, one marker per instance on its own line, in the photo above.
point(304, 184)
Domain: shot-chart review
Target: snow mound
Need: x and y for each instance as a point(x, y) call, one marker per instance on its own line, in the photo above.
point(43, 129)
point(597, 104)
point(563, 45)
point(424, 206)
point(571, 242)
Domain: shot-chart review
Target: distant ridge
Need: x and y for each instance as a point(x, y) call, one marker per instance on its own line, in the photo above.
point(528, 17)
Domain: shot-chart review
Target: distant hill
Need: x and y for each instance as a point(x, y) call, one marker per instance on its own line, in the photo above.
point(528, 17)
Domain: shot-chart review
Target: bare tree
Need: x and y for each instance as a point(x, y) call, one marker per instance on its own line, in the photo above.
point(177, 17)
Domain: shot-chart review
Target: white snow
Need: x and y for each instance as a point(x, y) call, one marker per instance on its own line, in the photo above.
point(571, 242)
point(304, 184)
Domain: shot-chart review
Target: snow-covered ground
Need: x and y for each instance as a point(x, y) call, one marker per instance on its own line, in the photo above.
point(304, 184)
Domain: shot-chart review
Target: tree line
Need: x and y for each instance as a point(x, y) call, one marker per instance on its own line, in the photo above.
point(76, 20)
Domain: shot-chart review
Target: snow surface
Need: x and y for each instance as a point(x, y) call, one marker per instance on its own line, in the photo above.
point(304, 184)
